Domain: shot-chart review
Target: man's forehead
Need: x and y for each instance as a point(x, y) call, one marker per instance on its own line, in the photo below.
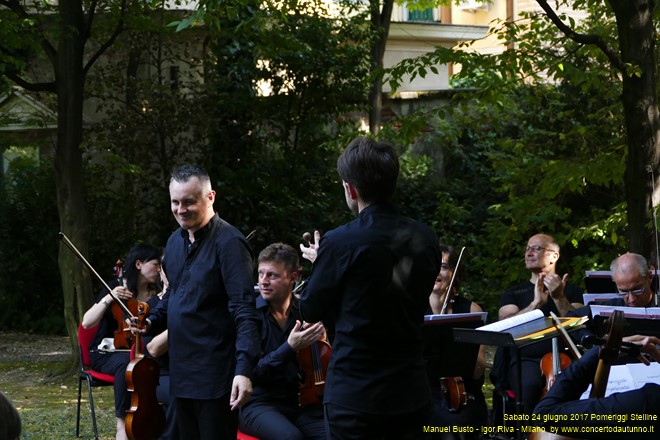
point(627, 274)
point(539, 240)
point(190, 187)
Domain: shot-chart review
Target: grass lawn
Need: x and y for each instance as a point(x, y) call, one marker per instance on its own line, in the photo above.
point(47, 405)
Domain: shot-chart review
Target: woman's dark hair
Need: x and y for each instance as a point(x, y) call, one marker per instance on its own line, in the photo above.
point(139, 252)
point(452, 261)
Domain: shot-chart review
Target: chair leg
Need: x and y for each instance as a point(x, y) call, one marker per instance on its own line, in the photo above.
point(91, 407)
point(80, 379)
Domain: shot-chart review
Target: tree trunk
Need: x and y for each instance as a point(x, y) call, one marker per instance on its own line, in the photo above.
point(637, 44)
point(74, 221)
point(380, 23)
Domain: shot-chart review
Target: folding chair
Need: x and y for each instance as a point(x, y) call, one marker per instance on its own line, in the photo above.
point(93, 378)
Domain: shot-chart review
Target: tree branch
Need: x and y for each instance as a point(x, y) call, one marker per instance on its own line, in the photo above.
point(16, 7)
point(583, 38)
point(110, 41)
point(33, 87)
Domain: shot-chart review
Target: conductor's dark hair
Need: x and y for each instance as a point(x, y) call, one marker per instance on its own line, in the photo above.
point(371, 167)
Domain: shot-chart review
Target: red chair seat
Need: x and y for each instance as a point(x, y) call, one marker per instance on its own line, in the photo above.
point(100, 376)
point(243, 436)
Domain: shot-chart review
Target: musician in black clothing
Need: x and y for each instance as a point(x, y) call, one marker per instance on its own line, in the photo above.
point(547, 291)
point(371, 279)
point(273, 412)
point(475, 411)
point(636, 411)
point(632, 277)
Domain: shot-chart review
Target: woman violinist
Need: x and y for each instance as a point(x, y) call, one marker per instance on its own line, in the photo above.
point(475, 411)
point(140, 281)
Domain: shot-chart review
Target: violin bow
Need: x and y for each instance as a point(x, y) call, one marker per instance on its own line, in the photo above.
point(451, 282)
point(564, 335)
point(77, 253)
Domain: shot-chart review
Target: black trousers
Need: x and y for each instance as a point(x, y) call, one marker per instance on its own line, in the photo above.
point(346, 424)
point(279, 420)
point(206, 419)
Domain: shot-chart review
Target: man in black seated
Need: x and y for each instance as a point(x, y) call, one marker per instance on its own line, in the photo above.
point(632, 277)
point(547, 291)
point(273, 412)
point(640, 408)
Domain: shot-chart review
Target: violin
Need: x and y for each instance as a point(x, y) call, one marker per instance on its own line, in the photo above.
point(313, 361)
point(554, 362)
point(123, 338)
point(453, 388)
point(145, 419)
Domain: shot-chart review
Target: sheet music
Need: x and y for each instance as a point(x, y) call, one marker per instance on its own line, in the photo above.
point(629, 377)
point(628, 312)
point(479, 316)
point(598, 297)
point(513, 321)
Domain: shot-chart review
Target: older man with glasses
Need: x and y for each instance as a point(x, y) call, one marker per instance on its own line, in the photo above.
point(547, 291)
point(632, 276)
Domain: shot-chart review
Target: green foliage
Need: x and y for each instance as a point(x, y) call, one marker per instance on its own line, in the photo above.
point(30, 291)
point(536, 145)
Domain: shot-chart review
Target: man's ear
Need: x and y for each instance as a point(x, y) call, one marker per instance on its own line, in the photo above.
point(350, 189)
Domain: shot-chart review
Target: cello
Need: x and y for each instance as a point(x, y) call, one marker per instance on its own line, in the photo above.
point(453, 388)
point(145, 419)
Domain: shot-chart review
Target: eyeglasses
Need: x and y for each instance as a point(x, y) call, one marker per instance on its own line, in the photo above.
point(635, 292)
point(537, 248)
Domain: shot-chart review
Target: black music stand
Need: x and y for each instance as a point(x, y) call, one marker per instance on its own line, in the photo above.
point(517, 337)
point(440, 348)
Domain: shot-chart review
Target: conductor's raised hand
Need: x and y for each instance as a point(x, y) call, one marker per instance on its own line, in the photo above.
point(309, 249)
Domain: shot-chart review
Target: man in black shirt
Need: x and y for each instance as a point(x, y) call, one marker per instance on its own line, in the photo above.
point(209, 312)
point(273, 412)
point(547, 291)
point(372, 278)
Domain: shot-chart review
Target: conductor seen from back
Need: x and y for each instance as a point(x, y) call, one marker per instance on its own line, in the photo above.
point(372, 278)
point(209, 312)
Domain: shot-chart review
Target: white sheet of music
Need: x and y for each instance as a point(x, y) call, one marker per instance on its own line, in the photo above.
point(629, 377)
point(628, 312)
point(508, 323)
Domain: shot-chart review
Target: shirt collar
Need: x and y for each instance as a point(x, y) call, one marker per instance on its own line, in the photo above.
point(201, 232)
